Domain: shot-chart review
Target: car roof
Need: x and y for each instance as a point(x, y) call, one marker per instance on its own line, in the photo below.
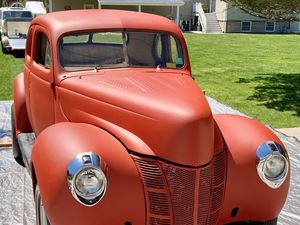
point(62, 22)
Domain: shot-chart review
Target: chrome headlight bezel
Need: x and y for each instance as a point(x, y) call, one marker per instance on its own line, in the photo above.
point(83, 164)
point(268, 152)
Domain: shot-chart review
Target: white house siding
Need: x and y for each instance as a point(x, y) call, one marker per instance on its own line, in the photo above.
point(221, 13)
point(221, 10)
point(60, 5)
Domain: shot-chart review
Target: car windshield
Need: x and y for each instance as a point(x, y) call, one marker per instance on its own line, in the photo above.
point(16, 14)
point(120, 49)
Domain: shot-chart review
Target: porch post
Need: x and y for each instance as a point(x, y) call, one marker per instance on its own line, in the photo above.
point(50, 6)
point(99, 4)
point(140, 8)
point(177, 15)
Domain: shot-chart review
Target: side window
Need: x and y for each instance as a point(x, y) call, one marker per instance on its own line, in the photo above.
point(43, 56)
point(168, 51)
point(174, 51)
point(158, 50)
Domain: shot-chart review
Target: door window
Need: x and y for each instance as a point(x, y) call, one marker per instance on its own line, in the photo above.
point(43, 56)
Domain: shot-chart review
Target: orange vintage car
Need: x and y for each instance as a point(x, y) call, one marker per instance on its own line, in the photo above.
point(114, 130)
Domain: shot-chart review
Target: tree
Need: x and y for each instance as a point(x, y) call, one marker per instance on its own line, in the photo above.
point(7, 3)
point(285, 10)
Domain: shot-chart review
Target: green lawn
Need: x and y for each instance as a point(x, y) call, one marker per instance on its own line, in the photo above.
point(10, 66)
point(256, 74)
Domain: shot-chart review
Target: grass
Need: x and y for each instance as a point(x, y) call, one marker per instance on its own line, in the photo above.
point(256, 74)
point(10, 66)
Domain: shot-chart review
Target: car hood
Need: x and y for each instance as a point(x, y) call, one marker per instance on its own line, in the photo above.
point(166, 110)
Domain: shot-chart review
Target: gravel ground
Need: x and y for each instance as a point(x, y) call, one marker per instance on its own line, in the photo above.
point(16, 197)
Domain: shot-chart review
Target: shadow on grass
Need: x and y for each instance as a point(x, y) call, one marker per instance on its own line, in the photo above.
point(277, 91)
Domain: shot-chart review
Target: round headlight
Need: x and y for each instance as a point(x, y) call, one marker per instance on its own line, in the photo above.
point(86, 178)
point(274, 166)
point(90, 183)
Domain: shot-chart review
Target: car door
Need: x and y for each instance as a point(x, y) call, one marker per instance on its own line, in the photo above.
point(41, 79)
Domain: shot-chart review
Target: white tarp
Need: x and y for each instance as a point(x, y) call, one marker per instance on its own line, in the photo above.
point(16, 196)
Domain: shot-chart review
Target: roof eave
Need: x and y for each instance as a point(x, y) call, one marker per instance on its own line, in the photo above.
point(142, 3)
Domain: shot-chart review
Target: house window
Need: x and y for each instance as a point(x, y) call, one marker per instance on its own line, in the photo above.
point(270, 26)
point(246, 26)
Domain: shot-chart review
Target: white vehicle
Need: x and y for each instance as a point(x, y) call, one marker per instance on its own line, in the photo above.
point(36, 7)
point(14, 24)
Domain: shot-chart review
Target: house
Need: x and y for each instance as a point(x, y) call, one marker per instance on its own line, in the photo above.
point(217, 16)
point(167, 8)
point(210, 16)
point(235, 20)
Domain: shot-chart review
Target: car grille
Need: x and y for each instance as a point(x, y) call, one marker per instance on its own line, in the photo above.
point(177, 195)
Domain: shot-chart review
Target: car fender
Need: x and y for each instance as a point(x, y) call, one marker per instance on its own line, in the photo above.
point(22, 122)
point(247, 197)
point(57, 146)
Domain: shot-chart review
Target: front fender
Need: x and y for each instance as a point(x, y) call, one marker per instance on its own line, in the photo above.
point(247, 197)
point(22, 122)
point(57, 146)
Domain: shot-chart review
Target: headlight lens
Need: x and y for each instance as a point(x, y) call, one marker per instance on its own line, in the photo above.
point(272, 164)
point(90, 183)
point(86, 178)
